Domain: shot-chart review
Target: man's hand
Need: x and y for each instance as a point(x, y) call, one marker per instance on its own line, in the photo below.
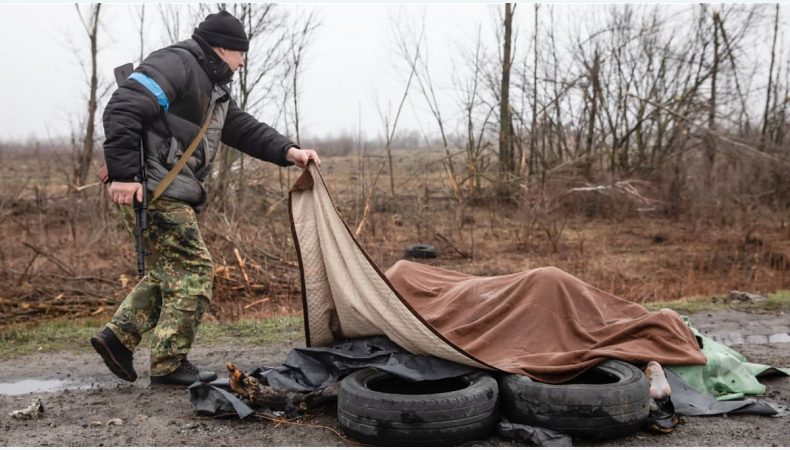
point(123, 193)
point(300, 157)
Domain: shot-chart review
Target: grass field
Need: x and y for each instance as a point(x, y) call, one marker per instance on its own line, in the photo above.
point(67, 255)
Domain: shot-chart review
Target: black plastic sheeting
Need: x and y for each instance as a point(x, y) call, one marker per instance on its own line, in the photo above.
point(532, 436)
point(690, 402)
point(216, 398)
point(309, 369)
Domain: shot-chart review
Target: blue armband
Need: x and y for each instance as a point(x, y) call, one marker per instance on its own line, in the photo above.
point(152, 86)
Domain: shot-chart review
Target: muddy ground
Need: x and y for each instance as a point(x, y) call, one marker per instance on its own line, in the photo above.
point(86, 396)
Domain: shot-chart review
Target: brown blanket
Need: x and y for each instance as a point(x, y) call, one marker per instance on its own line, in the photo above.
point(544, 323)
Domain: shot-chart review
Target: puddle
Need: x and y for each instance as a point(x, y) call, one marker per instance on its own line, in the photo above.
point(29, 386)
point(731, 338)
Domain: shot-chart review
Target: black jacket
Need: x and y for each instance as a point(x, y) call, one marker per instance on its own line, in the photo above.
point(191, 77)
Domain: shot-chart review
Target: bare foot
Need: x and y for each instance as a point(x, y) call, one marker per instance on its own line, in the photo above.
point(659, 387)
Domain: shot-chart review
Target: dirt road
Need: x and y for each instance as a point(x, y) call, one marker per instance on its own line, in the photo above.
point(84, 397)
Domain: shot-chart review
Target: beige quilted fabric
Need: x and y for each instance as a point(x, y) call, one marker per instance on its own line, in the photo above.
point(345, 295)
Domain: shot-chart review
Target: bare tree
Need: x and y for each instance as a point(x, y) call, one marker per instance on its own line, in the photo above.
point(141, 30)
point(412, 49)
point(592, 96)
point(83, 156)
point(533, 129)
point(265, 26)
point(770, 78)
point(782, 119)
point(172, 18)
point(743, 113)
point(391, 123)
point(709, 141)
point(506, 157)
point(714, 73)
point(299, 41)
point(477, 114)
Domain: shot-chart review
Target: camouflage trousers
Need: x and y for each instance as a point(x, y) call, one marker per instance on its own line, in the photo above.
point(176, 289)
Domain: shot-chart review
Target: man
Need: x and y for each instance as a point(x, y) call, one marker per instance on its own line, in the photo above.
point(165, 102)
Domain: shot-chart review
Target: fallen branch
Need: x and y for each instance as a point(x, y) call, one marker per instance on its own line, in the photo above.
point(63, 266)
point(625, 187)
point(281, 421)
point(27, 267)
point(258, 302)
point(66, 278)
point(49, 290)
point(87, 186)
point(256, 251)
point(241, 266)
point(293, 403)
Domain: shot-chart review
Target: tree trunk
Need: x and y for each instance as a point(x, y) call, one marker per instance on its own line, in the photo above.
point(141, 13)
point(296, 102)
point(714, 73)
point(595, 87)
point(743, 114)
point(710, 144)
point(506, 163)
point(770, 80)
point(533, 137)
point(85, 156)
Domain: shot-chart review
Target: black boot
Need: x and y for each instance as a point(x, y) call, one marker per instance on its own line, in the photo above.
point(116, 356)
point(186, 374)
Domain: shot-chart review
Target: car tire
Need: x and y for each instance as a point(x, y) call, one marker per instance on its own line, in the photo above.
point(609, 400)
point(422, 251)
point(378, 408)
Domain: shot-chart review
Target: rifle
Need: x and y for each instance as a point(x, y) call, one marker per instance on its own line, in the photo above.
point(140, 208)
point(140, 215)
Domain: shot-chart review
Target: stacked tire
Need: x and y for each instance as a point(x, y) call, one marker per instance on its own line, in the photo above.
point(378, 408)
point(609, 400)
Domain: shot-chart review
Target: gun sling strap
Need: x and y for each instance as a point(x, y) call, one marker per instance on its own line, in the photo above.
point(171, 175)
point(123, 72)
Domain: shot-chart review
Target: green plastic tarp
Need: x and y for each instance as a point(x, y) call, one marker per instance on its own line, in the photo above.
point(727, 375)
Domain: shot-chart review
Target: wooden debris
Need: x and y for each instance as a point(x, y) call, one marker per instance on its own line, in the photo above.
point(258, 302)
point(241, 266)
point(292, 402)
point(52, 258)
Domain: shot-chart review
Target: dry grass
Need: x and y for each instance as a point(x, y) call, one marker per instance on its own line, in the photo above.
point(644, 257)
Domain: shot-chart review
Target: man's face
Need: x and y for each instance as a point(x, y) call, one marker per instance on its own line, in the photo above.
point(233, 58)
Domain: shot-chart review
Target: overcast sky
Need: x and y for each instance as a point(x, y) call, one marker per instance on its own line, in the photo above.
point(350, 63)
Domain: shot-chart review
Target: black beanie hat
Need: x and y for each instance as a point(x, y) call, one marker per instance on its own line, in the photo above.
point(224, 31)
